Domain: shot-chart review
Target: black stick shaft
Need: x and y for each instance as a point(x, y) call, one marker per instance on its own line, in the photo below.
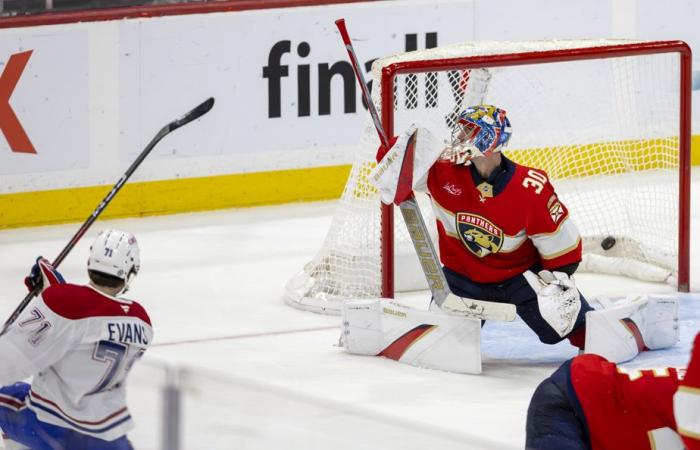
point(195, 113)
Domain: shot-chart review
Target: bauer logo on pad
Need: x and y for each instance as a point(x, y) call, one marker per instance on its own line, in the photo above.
point(478, 234)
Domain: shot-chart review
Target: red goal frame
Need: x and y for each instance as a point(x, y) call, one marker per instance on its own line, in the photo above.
point(550, 56)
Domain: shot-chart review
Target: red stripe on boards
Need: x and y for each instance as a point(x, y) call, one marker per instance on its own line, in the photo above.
point(160, 10)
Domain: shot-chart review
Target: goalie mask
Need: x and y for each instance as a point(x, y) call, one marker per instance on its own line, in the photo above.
point(115, 253)
point(479, 131)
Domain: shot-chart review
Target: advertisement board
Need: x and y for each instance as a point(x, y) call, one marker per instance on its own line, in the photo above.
point(286, 95)
point(79, 101)
point(44, 92)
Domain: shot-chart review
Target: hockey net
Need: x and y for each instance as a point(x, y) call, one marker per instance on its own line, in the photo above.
point(608, 120)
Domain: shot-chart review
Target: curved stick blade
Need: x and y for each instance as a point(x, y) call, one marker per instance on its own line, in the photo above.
point(196, 113)
point(340, 24)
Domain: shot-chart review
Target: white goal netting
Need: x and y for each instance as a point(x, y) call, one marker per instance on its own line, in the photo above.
point(605, 128)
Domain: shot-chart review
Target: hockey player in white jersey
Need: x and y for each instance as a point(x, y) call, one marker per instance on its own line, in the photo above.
point(78, 343)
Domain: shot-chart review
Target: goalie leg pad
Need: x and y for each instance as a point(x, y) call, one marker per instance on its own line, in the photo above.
point(380, 327)
point(362, 327)
point(662, 329)
point(615, 333)
point(627, 326)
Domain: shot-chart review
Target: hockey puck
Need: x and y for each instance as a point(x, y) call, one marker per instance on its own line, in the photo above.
point(608, 243)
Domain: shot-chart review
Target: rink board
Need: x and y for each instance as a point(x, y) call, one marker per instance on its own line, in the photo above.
point(286, 121)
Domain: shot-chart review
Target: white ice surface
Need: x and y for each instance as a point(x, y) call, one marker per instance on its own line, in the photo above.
point(262, 375)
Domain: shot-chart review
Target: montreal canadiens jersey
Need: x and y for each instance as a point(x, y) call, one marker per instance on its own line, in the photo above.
point(492, 233)
point(79, 344)
point(635, 408)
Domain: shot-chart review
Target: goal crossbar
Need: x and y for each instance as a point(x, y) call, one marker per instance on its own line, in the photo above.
point(392, 69)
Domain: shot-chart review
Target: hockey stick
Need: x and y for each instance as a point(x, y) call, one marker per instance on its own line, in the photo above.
point(194, 114)
point(442, 295)
point(413, 218)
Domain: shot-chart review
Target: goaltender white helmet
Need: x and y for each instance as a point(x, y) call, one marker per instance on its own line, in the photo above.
point(115, 253)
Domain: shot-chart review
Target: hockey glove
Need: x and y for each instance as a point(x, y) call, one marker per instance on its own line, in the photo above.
point(42, 275)
point(558, 299)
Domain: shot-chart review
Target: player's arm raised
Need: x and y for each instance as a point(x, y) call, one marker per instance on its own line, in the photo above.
point(39, 337)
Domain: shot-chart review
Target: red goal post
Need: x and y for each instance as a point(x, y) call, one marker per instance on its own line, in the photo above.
point(390, 71)
point(608, 120)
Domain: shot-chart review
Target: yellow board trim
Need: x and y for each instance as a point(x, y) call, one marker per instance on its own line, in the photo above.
point(137, 199)
point(150, 198)
point(603, 158)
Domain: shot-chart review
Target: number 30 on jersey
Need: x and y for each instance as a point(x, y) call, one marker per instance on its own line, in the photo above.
point(535, 180)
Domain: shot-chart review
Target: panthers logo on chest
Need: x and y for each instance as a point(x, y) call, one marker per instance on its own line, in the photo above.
point(479, 235)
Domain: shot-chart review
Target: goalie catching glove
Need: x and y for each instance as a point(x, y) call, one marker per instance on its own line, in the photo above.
point(558, 299)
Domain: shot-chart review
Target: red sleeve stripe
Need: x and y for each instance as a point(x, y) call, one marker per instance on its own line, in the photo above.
point(8, 401)
point(36, 397)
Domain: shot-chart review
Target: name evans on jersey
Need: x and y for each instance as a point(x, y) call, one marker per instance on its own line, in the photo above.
point(127, 333)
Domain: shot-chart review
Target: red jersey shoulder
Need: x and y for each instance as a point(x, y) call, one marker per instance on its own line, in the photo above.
point(81, 302)
point(591, 363)
point(445, 170)
point(534, 182)
point(534, 185)
point(139, 311)
point(447, 180)
point(595, 372)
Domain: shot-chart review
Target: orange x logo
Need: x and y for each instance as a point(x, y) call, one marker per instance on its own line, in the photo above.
point(9, 123)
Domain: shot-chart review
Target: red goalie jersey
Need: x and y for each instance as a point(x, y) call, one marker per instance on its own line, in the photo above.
point(639, 409)
point(492, 232)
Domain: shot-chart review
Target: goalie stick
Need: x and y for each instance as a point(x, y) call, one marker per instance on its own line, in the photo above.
point(440, 290)
point(194, 114)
